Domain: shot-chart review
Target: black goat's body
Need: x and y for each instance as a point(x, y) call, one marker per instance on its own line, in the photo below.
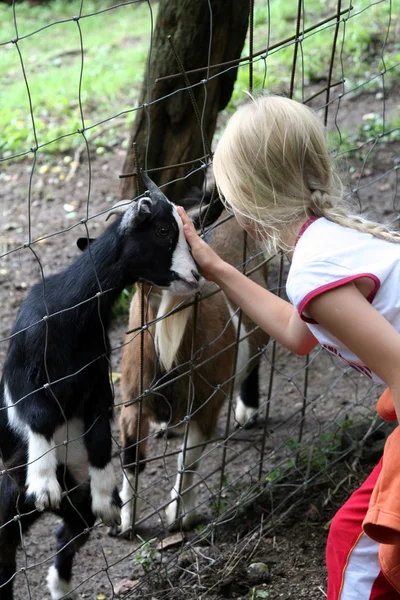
point(51, 376)
point(55, 387)
point(56, 400)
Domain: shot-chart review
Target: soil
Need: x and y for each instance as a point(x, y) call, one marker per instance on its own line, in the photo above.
point(285, 526)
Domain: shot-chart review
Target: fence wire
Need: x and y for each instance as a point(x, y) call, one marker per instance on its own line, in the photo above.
point(315, 414)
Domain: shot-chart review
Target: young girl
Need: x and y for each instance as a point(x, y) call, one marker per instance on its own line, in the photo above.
point(273, 169)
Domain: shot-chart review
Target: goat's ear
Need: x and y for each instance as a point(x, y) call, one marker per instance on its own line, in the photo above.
point(83, 243)
point(205, 216)
point(141, 211)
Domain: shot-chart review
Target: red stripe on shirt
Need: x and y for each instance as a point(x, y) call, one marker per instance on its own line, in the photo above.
point(305, 226)
point(334, 284)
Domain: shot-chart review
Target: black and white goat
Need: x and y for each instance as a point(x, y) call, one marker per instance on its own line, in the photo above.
point(168, 345)
point(56, 401)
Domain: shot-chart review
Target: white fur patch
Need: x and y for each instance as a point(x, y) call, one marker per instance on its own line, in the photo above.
point(14, 421)
point(41, 472)
point(73, 453)
point(59, 588)
point(170, 331)
point(129, 209)
point(244, 415)
point(244, 347)
point(102, 485)
point(185, 503)
point(127, 493)
point(182, 263)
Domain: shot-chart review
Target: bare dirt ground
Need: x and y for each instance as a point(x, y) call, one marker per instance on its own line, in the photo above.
point(285, 533)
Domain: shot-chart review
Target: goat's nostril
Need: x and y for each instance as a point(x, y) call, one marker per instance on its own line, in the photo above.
point(196, 275)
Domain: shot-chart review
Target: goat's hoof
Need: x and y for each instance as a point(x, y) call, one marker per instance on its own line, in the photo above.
point(248, 424)
point(45, 493)
point(110, 515)
point(58, 587)
point(245, 416)
point(108, 508)
point(176, 520)
point(114, 530)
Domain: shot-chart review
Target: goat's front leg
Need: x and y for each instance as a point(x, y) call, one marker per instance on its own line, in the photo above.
point(42, 485)
point(133, 449)
point(182, 507)
point(38, 417)
point(106, 503)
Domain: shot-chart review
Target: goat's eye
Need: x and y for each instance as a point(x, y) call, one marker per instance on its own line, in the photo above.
point(163, 231)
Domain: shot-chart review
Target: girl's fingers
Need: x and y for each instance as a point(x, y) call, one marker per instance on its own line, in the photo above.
point(182, 212)
point(188, 226)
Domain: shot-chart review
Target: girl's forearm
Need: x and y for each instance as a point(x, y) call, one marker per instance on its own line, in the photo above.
point(273, 314)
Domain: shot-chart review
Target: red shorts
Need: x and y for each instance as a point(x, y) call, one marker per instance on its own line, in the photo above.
point(352, 557)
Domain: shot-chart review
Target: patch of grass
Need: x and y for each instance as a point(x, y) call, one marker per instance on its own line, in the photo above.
point(255, 593)
point(121, 306)
point(146, 554)
point(115, 46)
point(312, 458)
point(373, 130)
point(219, 503)
point(359, 46)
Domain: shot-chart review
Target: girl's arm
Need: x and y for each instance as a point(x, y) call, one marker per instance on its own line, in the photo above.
point(348, 315)
point(273, 314)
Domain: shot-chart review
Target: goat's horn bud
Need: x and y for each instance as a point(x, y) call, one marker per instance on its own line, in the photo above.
point(119, 208)
point(154, 190)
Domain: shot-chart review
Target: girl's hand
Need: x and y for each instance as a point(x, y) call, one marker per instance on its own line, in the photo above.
point(207, 260)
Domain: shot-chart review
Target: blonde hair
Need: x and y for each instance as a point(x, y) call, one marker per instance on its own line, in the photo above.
point(273, 167)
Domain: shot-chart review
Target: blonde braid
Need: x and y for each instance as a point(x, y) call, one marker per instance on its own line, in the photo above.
point(321, 206)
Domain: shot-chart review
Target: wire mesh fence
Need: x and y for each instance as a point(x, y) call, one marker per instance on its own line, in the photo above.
point(223, 473)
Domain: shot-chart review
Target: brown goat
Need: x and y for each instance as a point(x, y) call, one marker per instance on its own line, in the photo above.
point(170, 344)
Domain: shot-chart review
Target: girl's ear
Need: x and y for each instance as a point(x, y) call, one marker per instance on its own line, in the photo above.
point(84, 242)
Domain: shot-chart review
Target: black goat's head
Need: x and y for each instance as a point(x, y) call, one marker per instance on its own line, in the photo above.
point(155, 243)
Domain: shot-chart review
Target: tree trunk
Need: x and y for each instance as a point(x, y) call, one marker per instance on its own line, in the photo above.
point(168, 132)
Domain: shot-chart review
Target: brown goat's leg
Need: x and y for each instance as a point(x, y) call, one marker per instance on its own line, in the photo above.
point(248, 401)
point(129, 431)
point(182, 508)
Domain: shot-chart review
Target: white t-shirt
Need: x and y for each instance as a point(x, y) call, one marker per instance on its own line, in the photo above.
point(328, 255)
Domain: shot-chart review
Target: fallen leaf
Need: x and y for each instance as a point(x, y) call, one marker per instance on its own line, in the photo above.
point(172, 540)
point(124, 586)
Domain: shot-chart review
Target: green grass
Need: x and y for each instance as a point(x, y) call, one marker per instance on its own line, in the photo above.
point(116, 44)
point(359, 46)
point(373, 130)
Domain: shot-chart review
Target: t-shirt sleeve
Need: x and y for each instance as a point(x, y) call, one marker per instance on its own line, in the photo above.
point(316, 278)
